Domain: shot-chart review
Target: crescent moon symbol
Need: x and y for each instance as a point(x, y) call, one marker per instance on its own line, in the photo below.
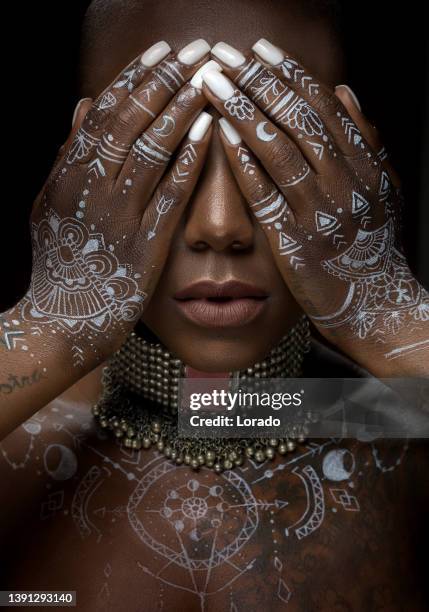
point(333, 465)
point(262, 134)
point(66, 466)
point(167, 126)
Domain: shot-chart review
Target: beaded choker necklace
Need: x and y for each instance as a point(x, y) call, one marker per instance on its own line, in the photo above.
point(140, 399)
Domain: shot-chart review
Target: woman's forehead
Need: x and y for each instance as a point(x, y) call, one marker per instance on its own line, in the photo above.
point(113, 38)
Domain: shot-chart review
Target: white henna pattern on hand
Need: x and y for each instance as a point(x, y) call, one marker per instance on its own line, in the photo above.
point(78, 286)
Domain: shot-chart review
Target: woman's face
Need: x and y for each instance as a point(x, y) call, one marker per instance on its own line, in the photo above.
point(220, 303)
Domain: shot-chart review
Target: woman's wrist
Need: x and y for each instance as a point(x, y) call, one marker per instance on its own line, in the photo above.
point(37, 363)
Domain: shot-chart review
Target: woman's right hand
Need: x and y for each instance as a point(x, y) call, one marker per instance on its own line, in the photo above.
point(102, 225)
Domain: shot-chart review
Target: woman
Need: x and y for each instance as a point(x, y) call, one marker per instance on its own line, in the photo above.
point(285, 205)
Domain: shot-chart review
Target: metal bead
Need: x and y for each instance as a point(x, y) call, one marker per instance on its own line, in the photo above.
point(135, 444)
point(167, 451)
point(210, 455)
point(160, 445)
point(146, 442)
point(291, 446)
point(218, 468)
point(227, 464)
point(195, 464)
point(270, 453)
point(273, 442)
point(282, 448)
point(260, 456)
point(155, 426)
point(187, 459)
point(201, 459)
point(250, 451)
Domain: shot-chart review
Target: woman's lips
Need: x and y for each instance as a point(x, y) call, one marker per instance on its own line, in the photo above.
point(230, 304)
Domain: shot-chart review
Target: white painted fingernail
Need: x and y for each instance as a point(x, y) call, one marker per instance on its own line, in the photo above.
point(353, 95)
point(228, 55)
point(200, 126)
point(155, 54)
point(197, 79)
point(232, 136)
point(218, 84)
point(193, 52)
point(76, 110)
point(268, 52)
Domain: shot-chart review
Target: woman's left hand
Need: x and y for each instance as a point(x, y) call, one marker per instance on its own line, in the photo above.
point(317, 179)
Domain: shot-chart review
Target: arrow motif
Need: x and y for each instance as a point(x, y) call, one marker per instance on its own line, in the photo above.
point(97, 168)
point(311, 86)
point(77, 354)
point(295, 262)
point(243, 156)
point(11, 338)
point(338, 237)
point(278, 504)
point(188, 156)
point(162, 208)
point(352, 132)
point(365, 220)
point(78, 358)
point(36, 331)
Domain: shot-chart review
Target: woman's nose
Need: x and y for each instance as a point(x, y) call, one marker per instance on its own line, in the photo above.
point(218, 216)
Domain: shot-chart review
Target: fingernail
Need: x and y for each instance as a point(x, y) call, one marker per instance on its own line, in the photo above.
point(228, 55)
point(232, 136)
point(76, 110)
point(268, 52)
point(155, 54)
point(197, 79)
point(352, 94)
point(200, 126)
point(218, 84)
point(193, 52)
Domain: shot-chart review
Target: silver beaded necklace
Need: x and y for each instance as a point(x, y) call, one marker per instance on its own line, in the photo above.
point(140, 399)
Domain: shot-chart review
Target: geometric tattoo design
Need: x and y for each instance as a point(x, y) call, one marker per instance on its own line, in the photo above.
point(284, 105)
point(383, 294)
point(77, 284)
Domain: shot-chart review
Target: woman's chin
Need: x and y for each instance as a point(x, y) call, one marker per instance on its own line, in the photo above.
point(221, 356)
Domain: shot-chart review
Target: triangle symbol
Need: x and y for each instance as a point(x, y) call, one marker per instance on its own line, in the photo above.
point(317, 148)
point(384, 184)
point(359, 204)
point(285, 241)
point(281, 504)
point(324, 221)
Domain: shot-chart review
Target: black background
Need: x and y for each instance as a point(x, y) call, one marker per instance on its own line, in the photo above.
point(386, 45)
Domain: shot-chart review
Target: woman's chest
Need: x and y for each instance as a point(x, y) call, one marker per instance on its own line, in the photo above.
point(328, 527)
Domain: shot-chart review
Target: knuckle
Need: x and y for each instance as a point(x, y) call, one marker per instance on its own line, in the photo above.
point(127, 117)
point(173, 192)
point(327, 104)
point(96, 117)
point(282, 154)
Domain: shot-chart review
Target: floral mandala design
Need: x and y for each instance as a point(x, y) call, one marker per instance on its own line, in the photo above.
point(240, 106)
point(76, 281)
point(382, 289)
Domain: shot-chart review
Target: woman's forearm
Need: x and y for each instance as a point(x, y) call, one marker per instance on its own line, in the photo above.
point(36, 365)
